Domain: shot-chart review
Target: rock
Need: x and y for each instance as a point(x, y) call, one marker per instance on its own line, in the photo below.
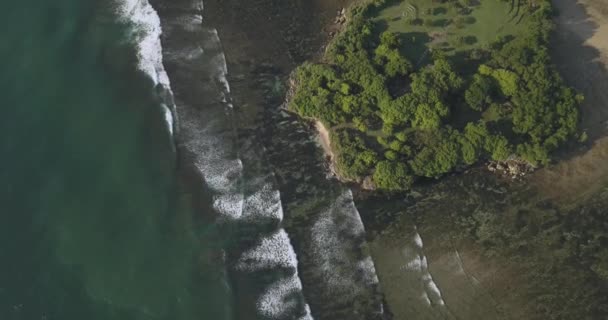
point(492, 166)
point(513, 168)
point(368, 183)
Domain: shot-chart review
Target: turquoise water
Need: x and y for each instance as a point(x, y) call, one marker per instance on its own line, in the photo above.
point(91, 223)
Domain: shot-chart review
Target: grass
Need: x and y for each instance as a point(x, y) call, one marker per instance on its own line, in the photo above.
point(425, 24)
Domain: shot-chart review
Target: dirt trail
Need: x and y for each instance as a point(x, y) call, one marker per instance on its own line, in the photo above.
point(580, 51)
point(324, 137)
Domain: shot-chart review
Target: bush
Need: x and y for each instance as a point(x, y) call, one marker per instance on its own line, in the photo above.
point(392, 176)
point(401, 136)
point(479, 93)
point(391, 155)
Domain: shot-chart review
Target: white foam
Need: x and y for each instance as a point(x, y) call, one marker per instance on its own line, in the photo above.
point(265, 202)
point(368, 269)
point(279, 301)
point(214, 159)
point(334, 235)
point(307, 315)
point(417, 263)
point(426, 299)
point(418, 240)
point(272, 252)
point(168, 118)
point(208, 134)
point(146, 36)
point(414, 265)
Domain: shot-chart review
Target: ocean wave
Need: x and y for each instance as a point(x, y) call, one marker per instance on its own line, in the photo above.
point(241, 196)
point(334, 235)
point(417, 266)
point(278, 301)
point(146, 35)
point(274, 251)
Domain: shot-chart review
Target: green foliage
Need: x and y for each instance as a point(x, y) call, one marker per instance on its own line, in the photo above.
point(401, 136)
point(498, 147)
point(392, 176)
point(479, 93)
point(360, 124)
point(525, 109)
point(507, 80)
point(533, 153)
point(429, 116)
point(388, 57)
point(315, 97)
point(434, 160)
point(382, 141)
point(354, 157)
point(396, 145)
point(391, 155)
point(387, 128)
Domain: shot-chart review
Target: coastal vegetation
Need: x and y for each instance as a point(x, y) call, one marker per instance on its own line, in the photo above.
point(417, 89)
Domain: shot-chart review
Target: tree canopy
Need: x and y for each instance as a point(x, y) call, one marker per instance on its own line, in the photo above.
point(397, 119)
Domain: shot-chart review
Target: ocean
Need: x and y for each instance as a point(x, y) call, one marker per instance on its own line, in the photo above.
point(93, 223)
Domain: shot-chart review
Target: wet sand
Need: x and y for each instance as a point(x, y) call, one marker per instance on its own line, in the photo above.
point(580, 51)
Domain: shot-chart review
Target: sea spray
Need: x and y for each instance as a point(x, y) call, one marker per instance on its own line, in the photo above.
point(146, 33)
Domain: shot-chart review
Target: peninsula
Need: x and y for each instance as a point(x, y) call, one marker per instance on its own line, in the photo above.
point(412, 90)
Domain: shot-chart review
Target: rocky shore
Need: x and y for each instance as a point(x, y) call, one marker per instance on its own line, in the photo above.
point(513, 167)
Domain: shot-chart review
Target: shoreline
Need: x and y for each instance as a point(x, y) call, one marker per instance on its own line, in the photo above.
point(514, 168)
point(581, 28)
point(323, 134)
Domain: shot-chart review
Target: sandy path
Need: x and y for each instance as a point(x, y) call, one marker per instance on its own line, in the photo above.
point(580, 51)
point(324, 138)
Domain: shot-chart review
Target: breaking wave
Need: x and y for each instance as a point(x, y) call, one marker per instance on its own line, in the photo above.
point(146, 33)
point(243, 193)
point(242, 189)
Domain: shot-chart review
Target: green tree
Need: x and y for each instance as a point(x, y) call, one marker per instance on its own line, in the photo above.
point(391, 155)
point(388, 57)
point(392, 176)
point(479, 92)
point(437, 159)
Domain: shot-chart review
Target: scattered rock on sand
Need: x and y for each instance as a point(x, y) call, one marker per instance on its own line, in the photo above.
point(512, 167)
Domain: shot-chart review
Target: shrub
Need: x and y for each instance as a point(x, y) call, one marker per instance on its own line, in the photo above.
point(392, 176)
